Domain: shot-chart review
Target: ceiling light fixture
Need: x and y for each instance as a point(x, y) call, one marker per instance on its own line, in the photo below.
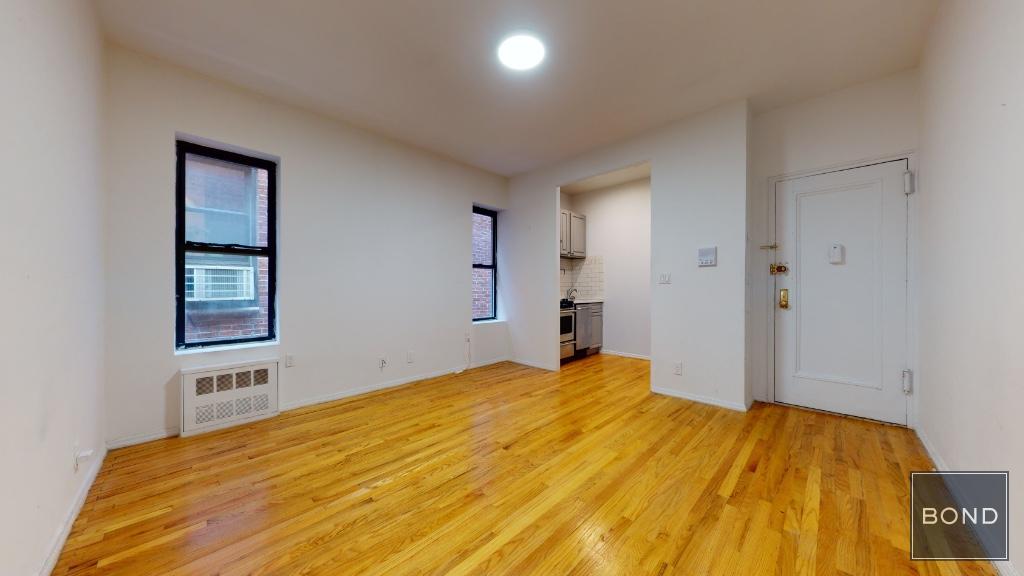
point(521, 52)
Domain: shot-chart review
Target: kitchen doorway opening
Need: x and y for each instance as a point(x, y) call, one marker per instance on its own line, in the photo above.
point(605, 264)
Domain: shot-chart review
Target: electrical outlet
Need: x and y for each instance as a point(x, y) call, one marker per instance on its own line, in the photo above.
point(678, 369)
point(410, 357)
point(383, 362)
point(665, 278)
point(289, 360)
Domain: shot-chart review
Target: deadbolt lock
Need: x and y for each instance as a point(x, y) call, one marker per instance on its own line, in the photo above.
point(775, 269)
point(784, 299)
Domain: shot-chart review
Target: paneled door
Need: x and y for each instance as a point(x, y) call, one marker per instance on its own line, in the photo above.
point(841, 303)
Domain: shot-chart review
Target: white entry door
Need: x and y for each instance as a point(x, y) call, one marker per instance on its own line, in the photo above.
point(841, 345)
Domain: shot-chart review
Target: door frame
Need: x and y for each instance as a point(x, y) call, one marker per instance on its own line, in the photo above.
point(912, 267)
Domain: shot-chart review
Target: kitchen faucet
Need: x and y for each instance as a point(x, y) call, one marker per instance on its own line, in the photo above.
point(571, 293)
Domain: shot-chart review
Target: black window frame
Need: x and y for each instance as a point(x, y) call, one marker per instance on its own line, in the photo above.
point(183, 246)
point(493, 266)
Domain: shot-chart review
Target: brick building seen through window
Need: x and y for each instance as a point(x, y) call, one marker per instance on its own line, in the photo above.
point(225, 272)
point(485, 269)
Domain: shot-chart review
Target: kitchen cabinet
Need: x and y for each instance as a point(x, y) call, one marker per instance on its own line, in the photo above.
point(589, 326)
point(572, 235)
point(563, 242)
point(596, 325)
point(584, 326)
point(577, 235)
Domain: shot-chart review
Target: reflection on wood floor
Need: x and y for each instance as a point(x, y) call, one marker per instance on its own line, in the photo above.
point(512, 470)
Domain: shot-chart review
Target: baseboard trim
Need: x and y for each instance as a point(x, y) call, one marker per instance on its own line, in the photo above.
point(940, 464)
point(366, 389)
point(126, 441)
point(65, 530)
point(698, 398)
point(1005, 567)
point(625, 354)
point(534, 364)
point(482, 363)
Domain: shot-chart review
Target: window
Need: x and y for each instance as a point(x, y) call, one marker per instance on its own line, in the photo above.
point(485, 266)
point(226, 256)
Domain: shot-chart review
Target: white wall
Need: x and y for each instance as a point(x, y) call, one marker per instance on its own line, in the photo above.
point(489, 342)
point(374, 252)
point(865, 121)
point(619, 231)
point(698, 198)
point(51, 228)
point(971, 205)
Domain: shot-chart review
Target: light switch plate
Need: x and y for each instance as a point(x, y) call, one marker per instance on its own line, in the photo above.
point(836, 254)
point(707, 256)
point(665, 278)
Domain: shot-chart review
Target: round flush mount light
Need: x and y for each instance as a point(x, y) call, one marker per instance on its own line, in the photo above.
point(521, 52)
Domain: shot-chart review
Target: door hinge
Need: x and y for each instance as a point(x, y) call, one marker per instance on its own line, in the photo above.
point(908, 381)
point(908, 182)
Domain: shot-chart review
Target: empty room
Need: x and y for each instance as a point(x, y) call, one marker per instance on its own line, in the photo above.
point(281, 283)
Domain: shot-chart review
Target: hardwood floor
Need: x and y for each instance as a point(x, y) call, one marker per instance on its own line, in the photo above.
point(512, 470)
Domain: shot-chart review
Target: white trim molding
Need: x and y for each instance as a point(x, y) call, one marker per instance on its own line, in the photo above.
point(65, 529)
point(134, 439)
point(488, 362)
point(699, 398)
point(292, 404)
point(625, 354)
point(536, 365)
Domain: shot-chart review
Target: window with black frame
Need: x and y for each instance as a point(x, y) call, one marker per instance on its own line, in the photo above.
point(485, 264)
point(226, 249)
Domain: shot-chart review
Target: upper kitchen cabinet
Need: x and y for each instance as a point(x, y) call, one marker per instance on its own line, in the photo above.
point(563, 238)
point(573, 237)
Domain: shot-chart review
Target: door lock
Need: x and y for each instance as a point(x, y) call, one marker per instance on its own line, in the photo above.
point(784, 298)
point(775, 269)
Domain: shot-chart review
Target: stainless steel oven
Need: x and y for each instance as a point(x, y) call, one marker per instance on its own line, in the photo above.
point(567, 323)
point(567, 332)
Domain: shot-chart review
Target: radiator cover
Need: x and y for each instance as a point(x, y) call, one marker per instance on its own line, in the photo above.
point(220, 396)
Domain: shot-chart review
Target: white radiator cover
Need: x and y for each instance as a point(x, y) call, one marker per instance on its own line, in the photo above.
point(220, 396)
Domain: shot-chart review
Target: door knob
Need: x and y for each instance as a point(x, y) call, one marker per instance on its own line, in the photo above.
point(784, 298)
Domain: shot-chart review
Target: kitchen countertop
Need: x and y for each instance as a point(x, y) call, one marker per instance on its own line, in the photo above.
point(589, 300)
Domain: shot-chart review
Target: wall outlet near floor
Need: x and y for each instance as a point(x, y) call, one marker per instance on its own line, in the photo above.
point(678, 369)
point(289, 360)
point(410, 357)
point(383, 362)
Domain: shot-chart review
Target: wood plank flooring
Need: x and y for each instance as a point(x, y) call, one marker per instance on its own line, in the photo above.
point(512, 470)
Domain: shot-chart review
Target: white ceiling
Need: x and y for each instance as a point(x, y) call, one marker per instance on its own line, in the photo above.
point(425, 72)
point(608, 179)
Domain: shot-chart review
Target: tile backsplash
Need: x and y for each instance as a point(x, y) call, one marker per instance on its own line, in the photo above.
point(585, 275)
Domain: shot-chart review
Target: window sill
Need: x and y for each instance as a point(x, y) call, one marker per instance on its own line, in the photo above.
point(491, 321)
point(226, 347)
